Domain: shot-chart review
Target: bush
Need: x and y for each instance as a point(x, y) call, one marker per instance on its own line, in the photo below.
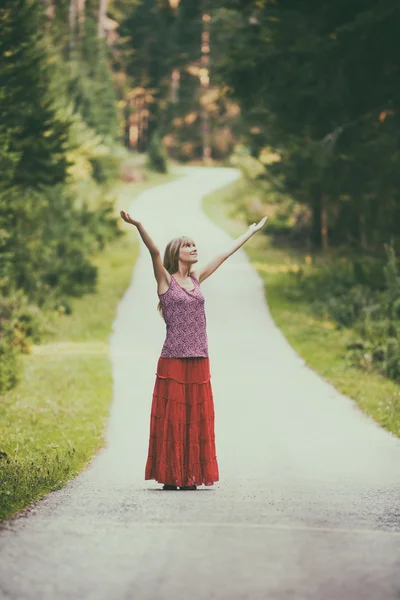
point(51, 244)
point(47, 258)
point(9, 365)
point(157, 156)
point(21, 324)
point(363, 294)
point(106, 168)
point(392, 363)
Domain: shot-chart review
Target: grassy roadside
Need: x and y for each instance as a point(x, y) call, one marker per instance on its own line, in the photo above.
point(53, 421)
point(318, 341)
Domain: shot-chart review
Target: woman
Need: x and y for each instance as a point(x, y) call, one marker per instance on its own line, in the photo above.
point(182, 440)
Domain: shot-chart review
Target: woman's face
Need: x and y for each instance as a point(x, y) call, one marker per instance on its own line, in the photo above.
point(188, 252)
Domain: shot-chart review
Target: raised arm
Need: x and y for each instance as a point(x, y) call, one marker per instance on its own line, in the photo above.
point(161, 274)
point(203, 272)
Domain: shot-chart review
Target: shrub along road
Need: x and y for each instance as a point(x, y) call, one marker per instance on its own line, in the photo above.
point(308, 502)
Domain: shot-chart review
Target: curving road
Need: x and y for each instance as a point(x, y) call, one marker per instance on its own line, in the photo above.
point(308, 506)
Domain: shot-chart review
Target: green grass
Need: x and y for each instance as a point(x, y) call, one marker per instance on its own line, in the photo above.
point(318, 341)
point(53, 421)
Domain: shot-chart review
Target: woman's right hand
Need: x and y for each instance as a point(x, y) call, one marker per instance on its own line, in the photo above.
point(126, 217)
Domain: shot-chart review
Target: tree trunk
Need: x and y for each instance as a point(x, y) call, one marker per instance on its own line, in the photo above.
point(205, 83)
point(174, 86)
point(81, 6)
point(50, 9)
point(315, 233)
point(101, 18)
point(324, 222)
point(127, 122)
point(72, 26)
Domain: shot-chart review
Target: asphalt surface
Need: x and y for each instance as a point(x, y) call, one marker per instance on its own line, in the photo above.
point(308, 506)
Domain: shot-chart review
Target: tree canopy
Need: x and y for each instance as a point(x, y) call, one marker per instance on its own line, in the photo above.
point(319, 83)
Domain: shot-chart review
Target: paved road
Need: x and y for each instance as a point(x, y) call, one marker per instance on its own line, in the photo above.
point(308, 506)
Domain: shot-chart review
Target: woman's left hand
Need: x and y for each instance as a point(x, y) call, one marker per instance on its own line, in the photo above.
point(256, 226)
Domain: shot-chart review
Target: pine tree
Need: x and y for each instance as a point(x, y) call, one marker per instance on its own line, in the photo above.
point(36, 137)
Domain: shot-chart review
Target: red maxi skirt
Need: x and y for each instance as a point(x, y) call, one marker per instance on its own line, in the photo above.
point(182, 439)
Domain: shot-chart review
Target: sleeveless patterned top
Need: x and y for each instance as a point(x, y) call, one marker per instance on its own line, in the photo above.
point(184, 315)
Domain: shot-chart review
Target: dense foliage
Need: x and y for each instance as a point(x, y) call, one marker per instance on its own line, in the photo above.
point(360, 294)
point(319, 90)
point(58, 122)
point(318, 82)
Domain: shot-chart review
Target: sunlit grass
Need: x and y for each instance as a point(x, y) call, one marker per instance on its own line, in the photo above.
point(53, 422)
point(318, 341)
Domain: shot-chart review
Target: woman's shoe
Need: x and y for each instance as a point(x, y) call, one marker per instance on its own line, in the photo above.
point(169, 487)
point(188, 487)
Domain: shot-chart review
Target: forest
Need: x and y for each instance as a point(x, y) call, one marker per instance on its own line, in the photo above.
point(303, 97)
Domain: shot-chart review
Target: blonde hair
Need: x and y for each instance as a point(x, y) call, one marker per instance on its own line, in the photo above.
point(171, 257)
